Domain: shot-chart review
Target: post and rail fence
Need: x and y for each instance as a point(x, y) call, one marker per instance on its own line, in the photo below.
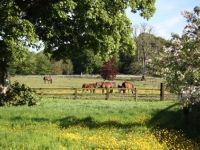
point(77, 93)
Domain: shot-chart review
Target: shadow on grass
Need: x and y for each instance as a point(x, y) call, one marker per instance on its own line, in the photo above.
point(92, 123)
point(172, 120)
point(167, 119)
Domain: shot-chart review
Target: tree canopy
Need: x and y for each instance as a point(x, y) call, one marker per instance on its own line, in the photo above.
point(68, 27)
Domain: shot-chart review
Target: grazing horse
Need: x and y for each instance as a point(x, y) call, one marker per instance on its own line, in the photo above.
point(129, 86)
point(49, 79)
point(90, 85)
point(106, 85)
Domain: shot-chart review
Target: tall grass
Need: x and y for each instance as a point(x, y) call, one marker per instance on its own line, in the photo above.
point(97, 124)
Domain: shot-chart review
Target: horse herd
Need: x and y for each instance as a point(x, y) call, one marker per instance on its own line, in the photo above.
point(104, 85)
point(108, 85)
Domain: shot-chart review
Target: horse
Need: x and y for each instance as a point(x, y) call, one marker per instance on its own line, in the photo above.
point(106, 85)
point(129, 86)
point(49, 79)
point(90, 85)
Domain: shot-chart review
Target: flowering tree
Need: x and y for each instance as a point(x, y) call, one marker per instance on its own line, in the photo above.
point(179, 62)
point(108, 71)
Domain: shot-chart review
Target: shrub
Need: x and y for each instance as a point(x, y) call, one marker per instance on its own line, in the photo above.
point(19, 95)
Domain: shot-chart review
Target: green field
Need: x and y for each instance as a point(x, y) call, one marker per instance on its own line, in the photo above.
point(86, 124)
point(37, 82)
point(65, 88)
point(96, 124)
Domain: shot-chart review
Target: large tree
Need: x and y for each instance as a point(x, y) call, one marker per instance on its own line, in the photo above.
point(15, 35)
point(68, 27)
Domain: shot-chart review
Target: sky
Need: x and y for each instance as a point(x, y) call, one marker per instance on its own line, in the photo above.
point(167, 19)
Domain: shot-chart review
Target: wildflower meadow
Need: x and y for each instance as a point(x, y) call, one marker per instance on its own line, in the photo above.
point(60, 124)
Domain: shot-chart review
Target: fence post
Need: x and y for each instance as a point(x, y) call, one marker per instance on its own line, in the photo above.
point(107, 93)
point(41, 93)
point(162, 91)
point(75, 93)
point(135, 94)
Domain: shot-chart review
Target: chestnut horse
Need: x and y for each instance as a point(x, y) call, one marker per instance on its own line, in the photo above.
point(49, 79)
point(106, 85)
point(90, 85)
point(129, 86)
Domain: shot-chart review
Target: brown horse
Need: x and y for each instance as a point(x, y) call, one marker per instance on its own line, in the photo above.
point(106, 85)
point(129, 86)
point(90, 85)
point(49, 79)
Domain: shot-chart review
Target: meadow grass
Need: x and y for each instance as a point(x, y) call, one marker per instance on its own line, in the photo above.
point(94, 124)
point(66, 87)
point(37, 82)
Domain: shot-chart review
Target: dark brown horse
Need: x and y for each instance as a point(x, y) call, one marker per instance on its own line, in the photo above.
point(129, 86)
point(106, 85)
point(49, 79)
point(90, 85)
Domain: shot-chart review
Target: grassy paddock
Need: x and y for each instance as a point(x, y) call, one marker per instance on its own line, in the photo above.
point(66, 87)
point(37, 82)
point(99, 124)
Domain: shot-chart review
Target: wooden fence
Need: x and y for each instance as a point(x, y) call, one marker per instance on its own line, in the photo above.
point(77, 93)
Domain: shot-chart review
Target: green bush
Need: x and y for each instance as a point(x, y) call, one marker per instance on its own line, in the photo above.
point(19, 95)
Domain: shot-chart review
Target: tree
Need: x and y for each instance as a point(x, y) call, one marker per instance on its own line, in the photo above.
point(108, 71)
point(144, 40)
point(179, 62)
point(88, 63)
point(56, 67)
point(24, 66)
point(43, 65)
point(67, 67)
point(69, 27)
point(16, 34)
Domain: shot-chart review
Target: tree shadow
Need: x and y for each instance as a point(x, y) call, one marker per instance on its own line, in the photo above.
point(91, 123)
point(172, 120)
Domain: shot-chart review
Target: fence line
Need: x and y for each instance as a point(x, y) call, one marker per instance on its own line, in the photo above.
point(77, 93)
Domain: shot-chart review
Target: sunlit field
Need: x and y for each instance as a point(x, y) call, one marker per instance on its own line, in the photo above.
point(67, 124)
point(95, 124)
point(65, 87)
point(58, 82)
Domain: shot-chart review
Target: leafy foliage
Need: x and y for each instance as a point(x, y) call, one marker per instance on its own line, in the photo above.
point(70, 27)
point(19, 95)
point(108, 71)
point(179, 62)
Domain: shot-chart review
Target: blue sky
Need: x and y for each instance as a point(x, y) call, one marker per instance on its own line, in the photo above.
point(167, 18)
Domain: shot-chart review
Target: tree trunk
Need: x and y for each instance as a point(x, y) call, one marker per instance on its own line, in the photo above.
point(4, 77)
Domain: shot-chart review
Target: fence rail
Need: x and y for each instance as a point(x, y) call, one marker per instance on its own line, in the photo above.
point(77, 93)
